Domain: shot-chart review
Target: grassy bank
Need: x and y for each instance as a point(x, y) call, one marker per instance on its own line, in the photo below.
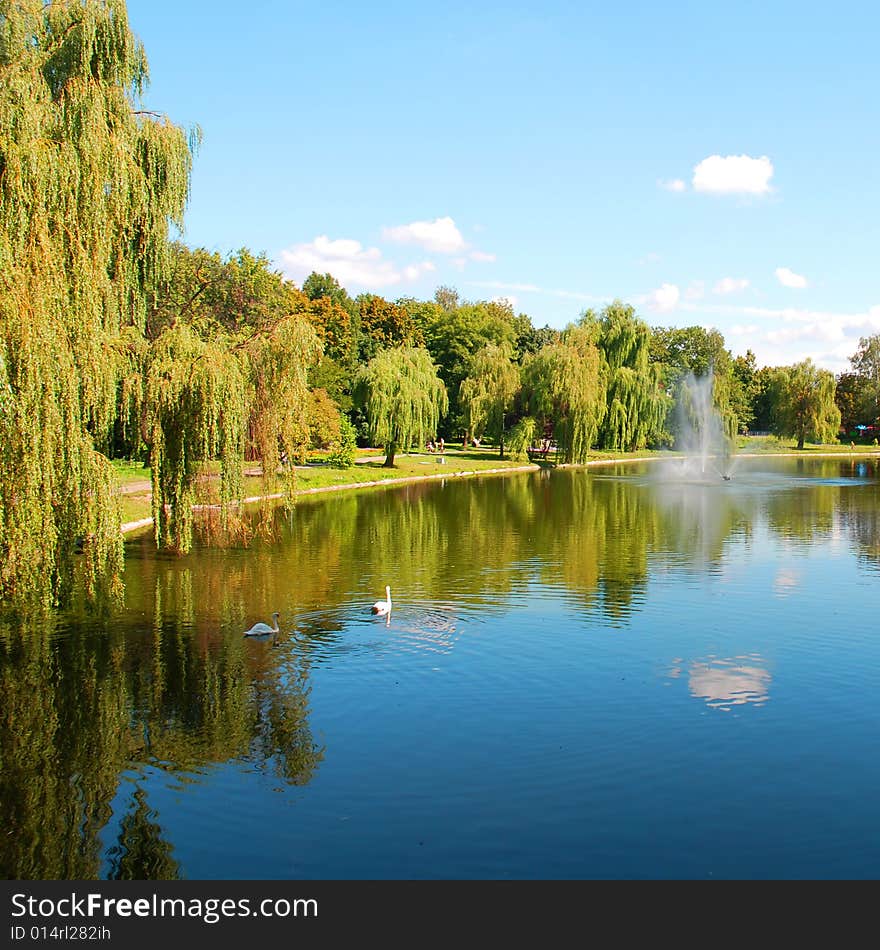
point(134, 480)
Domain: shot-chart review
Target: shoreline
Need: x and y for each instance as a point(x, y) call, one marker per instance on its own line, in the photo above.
point(132, 526)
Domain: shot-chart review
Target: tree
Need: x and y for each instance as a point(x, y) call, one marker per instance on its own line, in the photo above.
point(851, 396)
point(488, 392)
point(195, 394)
point(447, 298)
point(241, 318)
point(866, 363)
point(317, 286)
point(383, 324)
point(805, 407)
point(403, 398)
point(564, 388)
point(324, 421)
point(634, 394)
point(744, 390)
point(454, 336)
point(89, 184)
point(279, 361)
point(698, 352)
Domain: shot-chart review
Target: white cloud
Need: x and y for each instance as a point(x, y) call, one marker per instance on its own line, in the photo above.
point(440, 236)
point(676, 184)
point(483, 258)
point(664, 298)
point(733, 174)
point(788, 278)
point(730, 285)
point(781, 337)
point(695, 291)
point(415, 271)
point(348, 261)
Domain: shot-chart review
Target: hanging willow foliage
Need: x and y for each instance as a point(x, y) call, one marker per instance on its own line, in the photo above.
point(403, 398)
point(487, 394)
point(564, 386)
point(88, 187)
point(196, 399)
point(637, 402)
point(279, 364)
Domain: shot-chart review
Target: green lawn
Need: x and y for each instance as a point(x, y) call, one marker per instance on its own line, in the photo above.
point(405, 466)
point(134, 485)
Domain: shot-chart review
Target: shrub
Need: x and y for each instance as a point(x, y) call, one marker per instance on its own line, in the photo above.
point(521, 437)
point(344, 452)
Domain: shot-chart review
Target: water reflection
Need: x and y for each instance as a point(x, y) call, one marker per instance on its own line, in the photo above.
point(86, 703)
point(167, 688)
point(724, 683)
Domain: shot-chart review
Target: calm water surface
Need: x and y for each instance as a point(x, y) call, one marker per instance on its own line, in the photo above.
point(615, 673)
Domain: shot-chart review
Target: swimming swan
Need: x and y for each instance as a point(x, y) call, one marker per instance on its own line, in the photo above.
point(383, 607)
point(263, 629)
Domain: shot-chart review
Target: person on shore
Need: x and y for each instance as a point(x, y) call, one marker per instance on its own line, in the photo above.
point(442, 445)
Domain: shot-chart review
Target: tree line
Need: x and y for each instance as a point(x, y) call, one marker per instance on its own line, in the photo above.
point(118, 342)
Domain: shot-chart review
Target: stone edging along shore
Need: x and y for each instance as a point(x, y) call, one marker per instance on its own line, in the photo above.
point(378, 483)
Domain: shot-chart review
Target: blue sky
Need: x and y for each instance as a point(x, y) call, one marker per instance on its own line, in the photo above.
point(713, 164)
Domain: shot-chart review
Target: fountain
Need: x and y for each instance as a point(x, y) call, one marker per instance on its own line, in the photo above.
point(701, 436)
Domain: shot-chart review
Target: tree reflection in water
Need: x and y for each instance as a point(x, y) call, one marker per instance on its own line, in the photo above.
point(168, 683)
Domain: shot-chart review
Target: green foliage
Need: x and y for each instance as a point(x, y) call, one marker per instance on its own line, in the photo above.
point(488, 392)
point(89, 185)
point(634, 393)
point(447, 298)
point(345, 452)
point(324, 420)
point(744, 390)
point(453, 336)
point(383, 324)
point(698, 351)
point(522, 435)
point(564, 387)
point(866, 365)
point(195, 395)
point(804, 403)
point(279, 363)
point(402, 397)
point(852, 395)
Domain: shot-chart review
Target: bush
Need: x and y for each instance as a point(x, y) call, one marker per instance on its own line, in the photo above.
point(521, 437)
point(324, 430)
point(344, 452)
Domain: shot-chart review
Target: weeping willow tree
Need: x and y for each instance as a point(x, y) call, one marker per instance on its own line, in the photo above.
point(279, 364)
point(634, 395)
point(89, 184)
point(196, 398)
point(487, 393)
point(804, 403)
point(402, 397)
point(563, 382)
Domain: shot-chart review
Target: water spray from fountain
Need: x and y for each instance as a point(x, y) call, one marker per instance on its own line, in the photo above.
point(701, 432)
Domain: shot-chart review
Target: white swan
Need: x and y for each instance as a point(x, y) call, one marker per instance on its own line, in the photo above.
point(263, 629)
point(383, 607)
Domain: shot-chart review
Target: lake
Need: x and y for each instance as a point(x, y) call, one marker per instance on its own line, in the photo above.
point(587, 674)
